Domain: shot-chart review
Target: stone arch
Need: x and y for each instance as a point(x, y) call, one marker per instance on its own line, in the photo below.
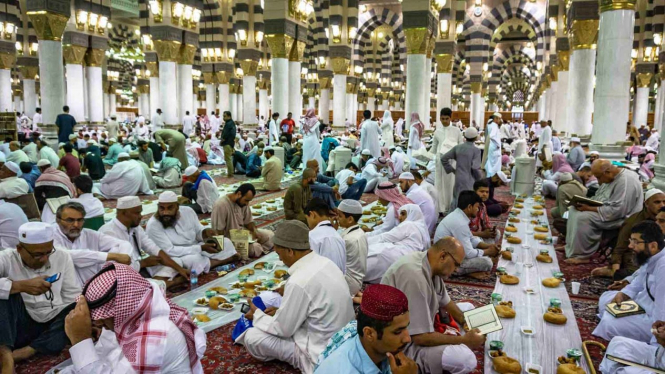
point(515, 53)
point(375, 18)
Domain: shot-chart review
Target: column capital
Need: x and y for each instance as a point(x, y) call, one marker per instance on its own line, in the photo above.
point(444, 63)
point(564, 60)
point(609, 5)
point(153, 68)
point(94, 57)
point(325, 82)
point(584, 33)
point(185, 54)
point(644, 79)
point(73, 54)
point(280, 45)
point(263, 84)
point(29, 72)
point(7, 60)
point(48, 25)
point(476, 87)
point(350, 88)
point(340, 65)
point(223, 77)
point(143, 89)
point(297, 51)
point(208, 78)
point(661, 71)
point(430, 45)
point(167, 50)
point(249, 67)
point(417, 41)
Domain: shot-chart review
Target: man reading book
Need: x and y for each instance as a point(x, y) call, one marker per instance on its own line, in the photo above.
point(623, 352)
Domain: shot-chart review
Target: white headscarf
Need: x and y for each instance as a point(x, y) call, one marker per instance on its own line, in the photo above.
point(415, 217)
point(387, 118)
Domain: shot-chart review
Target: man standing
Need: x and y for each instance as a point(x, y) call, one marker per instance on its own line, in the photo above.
point(420, 197)
point(420, 276)
point(545, 139)
point(355, 242)
point(446, 138)
point(467, 165)
point(112, 126)
point(298, 195)
point(370, 134)
point(33, 310)
point(157, 121)
point(228, 138)
point(316, 304)
point(556, 142)
point(200, 190)
point(188, 124)
point(173, 142)
point(287, 125)
point(272, 172)
point(576, 154)
point(273, 132)
point(65, 123)
point(37, 120)
point(324, 240)
point(493, 139)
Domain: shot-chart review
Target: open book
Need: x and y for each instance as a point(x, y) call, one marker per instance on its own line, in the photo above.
point(581, 199)
point(218, 241)
point(627, 308)
point(484, 319)
point(55, 202)
point(635, 364)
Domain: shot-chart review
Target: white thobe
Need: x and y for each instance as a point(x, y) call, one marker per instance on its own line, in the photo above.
point(651, 142)
point(13, 187)
point(356, 245)
point(184, 240)
point(545, 138)
point(11, 218)
point(398, 162)
point(47, 153)
point(556, 144)
point(386, 248)
point(37, 120)
point(431, 190)
point(421, 198)
point(4, 148)
point(124, 179)
point(369, 137)
point(31, 151)
point(273, 133)
point(206, 195)
point(90, 251)
point(445, 139)
point(342, 177)
point(65, 291)
point(414, 145)
point(373, 177)
point(188, 124)
point(505, 131)
point(18, 156)
point(389, 221)
point(493, 163)
point(326, 241)
point(157, 122)
point(635, 351)
point(315, 306)
point(141, 132)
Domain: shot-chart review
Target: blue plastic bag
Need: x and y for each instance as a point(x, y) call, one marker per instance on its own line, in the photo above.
point(243, 323)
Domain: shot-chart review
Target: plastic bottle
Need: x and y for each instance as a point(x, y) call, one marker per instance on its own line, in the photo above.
point(194, 279)
point(227, 267)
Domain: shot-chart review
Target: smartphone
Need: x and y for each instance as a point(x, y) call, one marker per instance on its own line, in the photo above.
point(53, 278)
point(244, 308)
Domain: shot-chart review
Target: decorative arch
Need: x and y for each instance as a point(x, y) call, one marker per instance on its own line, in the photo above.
point(376, 17)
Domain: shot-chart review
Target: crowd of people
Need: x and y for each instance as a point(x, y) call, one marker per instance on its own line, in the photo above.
point(358, 299)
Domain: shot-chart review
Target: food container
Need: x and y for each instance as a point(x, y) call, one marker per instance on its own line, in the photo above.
point(501, 270)
point(544, 252)
point(233, 297)
point(210, 294)
point(555, 303)
point(243, 277)
point(268, 267)
point(558, 275)
point(496, 345)
point(527, 330)
point(533, 369)
point(496, 298)
point(574, 353)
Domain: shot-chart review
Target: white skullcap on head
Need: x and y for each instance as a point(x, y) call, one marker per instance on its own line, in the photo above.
point(190, 170)
point(60, 145)
point(268, 148)
point(43, 162)
point(35, 233)
point(651, 192)
point(92, 142)
point(128, 202)
point(471, 133)
point(11, 165)
point(168, 197)
point(72, 136)
point(350, 206)
point(594, 153)
point(497, 114)
point(123, 155)
point(366, 152)
point(575, 139)
point(300, 141)
point(407, 176)
point(566, 177)
point(113, 140)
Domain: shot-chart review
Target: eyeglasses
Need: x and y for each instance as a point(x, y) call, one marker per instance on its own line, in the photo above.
point(451, 256)
point(635, 241)
point(40, 255)
point(72, 220)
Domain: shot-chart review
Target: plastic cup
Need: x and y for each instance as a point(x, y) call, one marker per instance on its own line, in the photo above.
point(519, 267)
point(576, 287)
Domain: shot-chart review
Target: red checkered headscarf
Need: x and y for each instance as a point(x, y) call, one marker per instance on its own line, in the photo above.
point(415, 121)
point(389, 192)
point(139, 317)
point(383, 303)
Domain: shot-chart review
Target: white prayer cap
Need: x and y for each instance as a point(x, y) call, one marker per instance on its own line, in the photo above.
point(168, 197)
point(497, 114)
point(190, 170)
point(471, 133)
point(575, 139)
point(128, 202)
point(113, 116)
point(350, 206)
point(92, 142)
point(366, 152)
point(594, 153)
point(43, 162)
point(407, 176)
point(651, 192)
point(60, 145)
point(35, 233)
point(113, 140)
point(300, 141)
point(268, 148)
point(11, 165)
point(72, 136)
point(566, 177)
point(123, 155)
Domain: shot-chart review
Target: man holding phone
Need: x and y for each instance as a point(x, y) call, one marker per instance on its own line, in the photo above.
point(33, 310)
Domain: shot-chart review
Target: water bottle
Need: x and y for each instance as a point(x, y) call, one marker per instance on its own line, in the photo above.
point(227, 268)
point(194, 279)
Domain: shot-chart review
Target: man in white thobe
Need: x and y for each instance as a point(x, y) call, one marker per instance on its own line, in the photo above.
point(493, 137)
point(11, 218)
point(47, 153)
point(355, 241)
point(126, 178)
point(157, 121)
point(188, 123)
point(141, 131)
point(445, 138)
point(177, 231)
point(316, 304)
point(505, 131)
point(545, 138)
point(215, 123)
point(273, 130)
point(324, 239)
point(370, 133)
point(30, 149)
point(420, 197)
point(200, 189)
point(11, 186)
point(112, 127)
point(428, 187)
point(37, 119)
point(653, 141)
point(372, 173)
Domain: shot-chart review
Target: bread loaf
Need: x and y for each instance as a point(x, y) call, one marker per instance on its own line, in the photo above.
point(509, 279)
point(506, 365)
point(514, 240)
point(551, 282)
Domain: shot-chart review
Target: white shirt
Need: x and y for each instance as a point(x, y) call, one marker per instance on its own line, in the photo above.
point(456, 224)
point(188, 124)
point(206, 195)
point(143, 242)
point(315, 306)
point(505, 131)
point(125, 179)
point(37, 119)
point(31, 151)
point(431, 190)
point(421, 198)
point(369, 172)
point(545, 138)
point(389, 221)
point(11, 218)
point(13, 187)
point(157, 122)
point(4, 148)
point(90, 251)
point(356, 245)
point(653, 141)
point(141, 131)
point(182, 239)
point(39, 308)
point(326, 241)
point(342, 178)
point(47, 153)
point(273, 133)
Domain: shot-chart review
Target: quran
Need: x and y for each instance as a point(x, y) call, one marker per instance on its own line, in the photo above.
point(583, 200)
point(635, 364)
point(218, 241)
point(55, 202)
point(484, 319)
point(627, 308)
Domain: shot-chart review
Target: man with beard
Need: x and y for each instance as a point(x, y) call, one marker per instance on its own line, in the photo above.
point(89, 249)
point(177, 231)
point(126, 226)
point(374, 340)
point(298, 195)
point(646, 240)
point(232, 212)
point(420, 275)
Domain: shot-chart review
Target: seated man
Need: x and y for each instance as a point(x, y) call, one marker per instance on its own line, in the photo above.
point(11, 218)
point(33, 310)
point(253, 167)
point(320, 178)
point(17, 155)
point(325, 188)
point(480, 224)
point(646, 240)
point(298, 195)
point(232, 212)
point(145, 153)
point(567, 189)
point(177, 231)
point(69, 164)
point(93, 164)
point(126, 178)
point(272, 172)
point(372, 173)
point(428, 187)
point(324, 240)
point(622, 262)
point(390, 197)
point(420, 197)
point(355, 242)
point(47, 152)
point(11, 186)
point(349, 187)
point(52, 183)
point(315, 306)
point(126, 226)
point(420, 276)
point(621, 194)
point(381, 326)
point(135, 309)
point(115, 149)
point(146, 170)
point(89, 249)
point(477, 254)
point(652, 355)
point(200, 190)
point(296, 153)
point(30, 173)
point(93, 207)
point(169, 174)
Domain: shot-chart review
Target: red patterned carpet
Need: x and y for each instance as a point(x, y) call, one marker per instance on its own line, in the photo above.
point(222, 356)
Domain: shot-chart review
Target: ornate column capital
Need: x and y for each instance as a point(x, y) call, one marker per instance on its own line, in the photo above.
point(249, 67)
point(476, 87)
point(263, 84)
point(73, 54)
point(29, 72)
point(584, 33)
point(340, 65)
point(644, 79)
point(350, 88)
point(417, 41)
point(444, 63)
point(564, 60)
point(280, 45)
point(143, 89)
point(609, 5)
point(185, 54)
point(297, 51)
point(223, 77)
point(94, 57)
point(325, 82)
point(167, 50)
point(209, 78)
point(153, 68)
point(48, 25)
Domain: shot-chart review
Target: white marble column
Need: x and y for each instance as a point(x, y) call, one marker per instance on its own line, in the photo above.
point(660, 106)
point(350, 108)
point(311, 102)
point(144, 108)
point(211, 96)
point(641, 106)
point(233, 103)
point(541, 106)
point(106, 105)
point(295, 91)
point(371, 104)
point(264, 105)
point(17, 104)
point(554, 89)
point(185, 87)
point(155, 100)
point(444, 89)
point(29, 97)
point(239, 107)
point(224, 103)
point(75, 91)
point(95, 94)
point(324, 104)
point(249, 100)
point(562, 103)
point(426, 90)
point(168, 88)
point(340, 110)
point(6, 104)
point(51, 79)
point(416, 81)
point(280, 86)
point(112, 103)
point(612, 94)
